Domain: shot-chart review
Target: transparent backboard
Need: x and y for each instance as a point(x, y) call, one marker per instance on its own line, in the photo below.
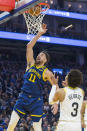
point(20, 7)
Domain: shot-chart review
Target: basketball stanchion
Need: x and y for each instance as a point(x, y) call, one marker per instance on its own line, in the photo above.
point(6, 5)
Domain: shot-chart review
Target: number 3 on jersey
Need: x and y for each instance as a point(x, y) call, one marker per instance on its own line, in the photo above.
point(75, 109)
point(32, 78)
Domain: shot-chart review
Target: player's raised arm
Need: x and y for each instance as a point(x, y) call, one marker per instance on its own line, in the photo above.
point(30, 45)
point(48, 75)
point(56, 93)
point(54, 82)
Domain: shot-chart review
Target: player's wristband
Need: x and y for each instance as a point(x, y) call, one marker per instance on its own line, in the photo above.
point(53, 90)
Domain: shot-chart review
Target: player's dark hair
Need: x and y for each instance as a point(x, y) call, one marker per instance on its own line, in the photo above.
point(75, 78)
point(47, 56)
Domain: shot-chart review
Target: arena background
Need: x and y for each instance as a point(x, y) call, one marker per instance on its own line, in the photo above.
point(64, 56)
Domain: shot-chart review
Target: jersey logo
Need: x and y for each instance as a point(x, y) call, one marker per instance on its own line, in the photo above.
point(35, 72)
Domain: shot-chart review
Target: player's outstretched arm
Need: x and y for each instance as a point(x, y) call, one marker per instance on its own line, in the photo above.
point(30, 45)
point(56, 93)
point(48, 75)
point(54, 82)
point(82, 114)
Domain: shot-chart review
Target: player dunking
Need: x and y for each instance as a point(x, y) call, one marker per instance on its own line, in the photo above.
point(30, 100)
point(71, 99)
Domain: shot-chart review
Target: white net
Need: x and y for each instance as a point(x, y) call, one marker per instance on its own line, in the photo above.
point(34, 22)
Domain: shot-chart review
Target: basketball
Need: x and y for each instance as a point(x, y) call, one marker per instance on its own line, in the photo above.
point(35, 11)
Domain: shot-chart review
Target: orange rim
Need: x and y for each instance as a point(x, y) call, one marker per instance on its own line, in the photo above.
point(45, 5)
point(43, 10)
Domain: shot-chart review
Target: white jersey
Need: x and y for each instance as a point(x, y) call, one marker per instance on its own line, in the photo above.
point(71, 106)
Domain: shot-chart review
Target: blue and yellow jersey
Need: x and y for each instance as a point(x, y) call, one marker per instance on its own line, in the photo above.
point(34, 80)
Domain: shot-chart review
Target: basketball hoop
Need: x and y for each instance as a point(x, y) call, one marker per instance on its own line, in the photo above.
point(34, 17)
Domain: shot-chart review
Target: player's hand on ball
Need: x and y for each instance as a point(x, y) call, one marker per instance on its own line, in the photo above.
point(43, 29)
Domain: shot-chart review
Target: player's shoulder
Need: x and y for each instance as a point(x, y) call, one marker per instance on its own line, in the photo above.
point(82, 91)
point(65, 89)
point(44, 75)
point(61, 94)
point(48, 71)
point(49, 74)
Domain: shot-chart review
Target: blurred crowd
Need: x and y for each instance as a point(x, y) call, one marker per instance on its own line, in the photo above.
point(11, 80)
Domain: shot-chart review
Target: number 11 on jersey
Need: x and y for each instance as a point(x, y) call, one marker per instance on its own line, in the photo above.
point(32, 78)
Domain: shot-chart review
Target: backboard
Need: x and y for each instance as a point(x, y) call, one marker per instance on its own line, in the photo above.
point(21, 6)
